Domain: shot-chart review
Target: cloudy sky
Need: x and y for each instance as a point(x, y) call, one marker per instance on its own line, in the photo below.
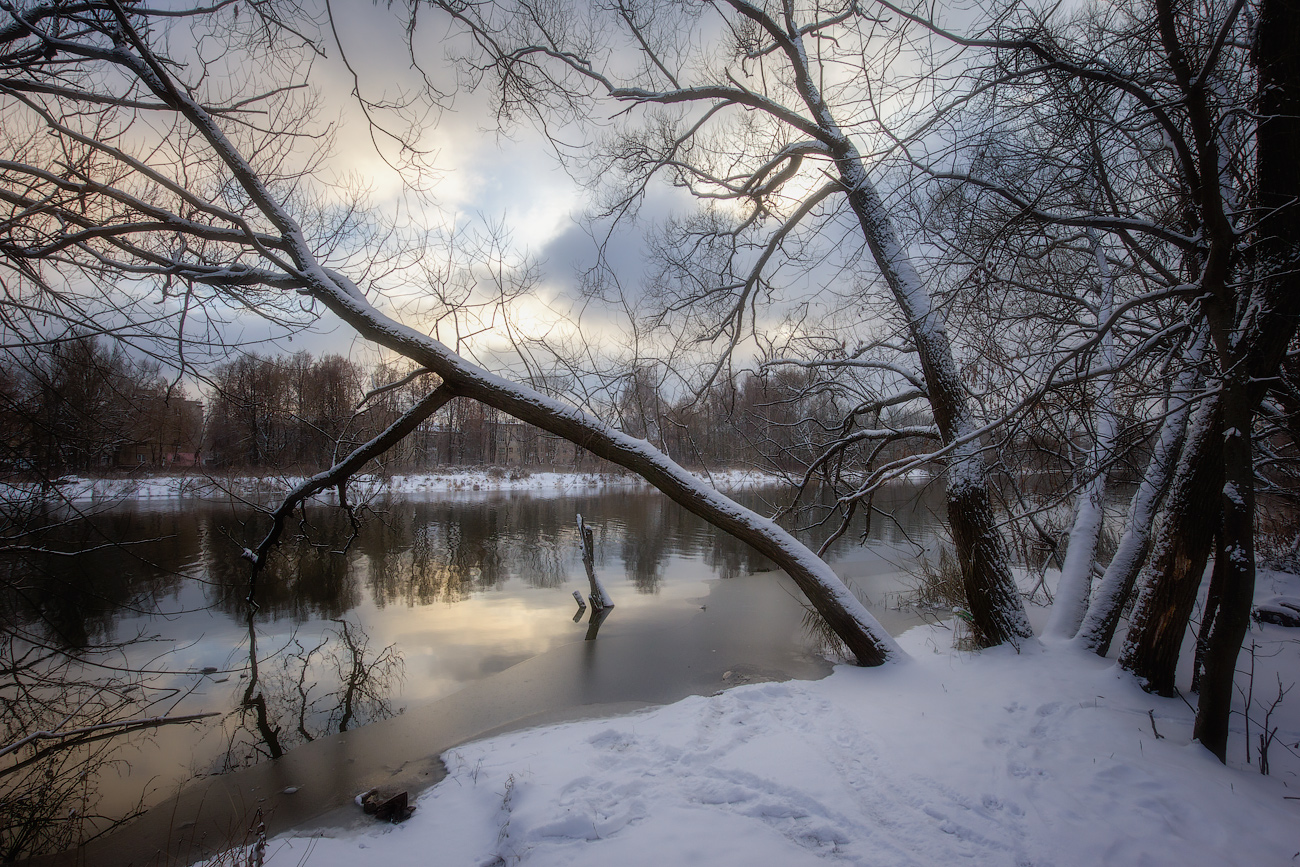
point(485, 176)
point(489, 176)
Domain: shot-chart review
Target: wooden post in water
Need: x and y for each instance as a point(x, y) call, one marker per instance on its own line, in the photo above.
point(599, 596)
point(601, 603)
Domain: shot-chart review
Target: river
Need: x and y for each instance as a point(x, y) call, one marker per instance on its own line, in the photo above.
point(436, 619)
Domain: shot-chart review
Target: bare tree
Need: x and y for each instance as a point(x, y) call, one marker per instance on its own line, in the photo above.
point(214, 211)
point(1195, 202)
point(765, 122)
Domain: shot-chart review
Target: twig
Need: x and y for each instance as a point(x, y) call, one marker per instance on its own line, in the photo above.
point(125, 725)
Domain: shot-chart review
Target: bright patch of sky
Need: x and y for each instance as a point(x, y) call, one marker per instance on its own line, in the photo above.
point(485, 179)
point(481, 175)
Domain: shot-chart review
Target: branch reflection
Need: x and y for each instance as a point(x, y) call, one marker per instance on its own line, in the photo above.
point(303, 691)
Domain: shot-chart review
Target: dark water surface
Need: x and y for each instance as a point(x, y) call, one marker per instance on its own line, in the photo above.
point(443, 618)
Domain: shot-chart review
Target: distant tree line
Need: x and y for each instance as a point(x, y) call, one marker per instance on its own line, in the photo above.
point(302, 411)
point(78, 404)
point(774, 418)
point(81, 405)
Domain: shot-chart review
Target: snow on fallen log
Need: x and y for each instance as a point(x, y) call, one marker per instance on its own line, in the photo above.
point(1280, 611)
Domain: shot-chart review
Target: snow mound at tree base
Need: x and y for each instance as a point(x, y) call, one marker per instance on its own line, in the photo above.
point(1044, 758)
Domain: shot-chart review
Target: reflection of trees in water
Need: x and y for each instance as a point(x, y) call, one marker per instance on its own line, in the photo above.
point(307, 690)
point(651, 530)
point(645, 530)
point(308, 576)
point(62, 719)
point(72, 688)
point(899, 514)
point(658, 528)
point(730, 558)
point(69, 578)
point(443, 551)
point(404, 553)
point(299, 581)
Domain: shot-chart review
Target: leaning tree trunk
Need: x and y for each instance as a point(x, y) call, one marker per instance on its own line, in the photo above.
point(1234, 572)
point(1250, 302)
point(997, 612)
point(1075, 587)
point(996, 609)
point(1116, 585)
point(1172, 577)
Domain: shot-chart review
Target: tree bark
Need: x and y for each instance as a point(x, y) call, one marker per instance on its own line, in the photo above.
point(1172, 578)
point(1271, 324)
point(1116, 585)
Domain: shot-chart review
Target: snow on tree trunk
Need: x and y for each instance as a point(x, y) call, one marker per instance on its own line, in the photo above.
point(1173, 575)
point(997, 612)
point(1075, 587)
point(600, 598)
point(996, 609)
point(1259, 335)
point(1090, 509)
point(1117, 583)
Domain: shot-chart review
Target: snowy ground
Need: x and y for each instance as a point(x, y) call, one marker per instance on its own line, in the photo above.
point(1049, 757)
point(82, 489)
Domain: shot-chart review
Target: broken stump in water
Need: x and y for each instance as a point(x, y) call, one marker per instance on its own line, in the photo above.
point(601, 603)
point(600, 597)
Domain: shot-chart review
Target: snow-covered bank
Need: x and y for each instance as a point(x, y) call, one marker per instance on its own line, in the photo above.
point(1049, 757)
point(81, 489)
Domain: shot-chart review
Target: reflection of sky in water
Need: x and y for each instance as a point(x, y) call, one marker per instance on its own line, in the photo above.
point(464, 586)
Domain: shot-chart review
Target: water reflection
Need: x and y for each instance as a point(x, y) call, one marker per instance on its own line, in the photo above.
point(308, 690)
point(73, 578)
point(419, 553)
point(407, 554)
point(427, 596)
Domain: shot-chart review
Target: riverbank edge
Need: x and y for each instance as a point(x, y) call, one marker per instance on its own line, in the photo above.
point(79, 489)
point(310, 789)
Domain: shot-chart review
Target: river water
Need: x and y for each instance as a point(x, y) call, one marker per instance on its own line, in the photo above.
point(434, 620)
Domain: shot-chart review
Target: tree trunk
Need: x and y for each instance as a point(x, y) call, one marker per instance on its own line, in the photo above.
point(1209, 612)
point(1235, 588)
point(1270, 324)
point(1172, 578)
point(1075, 587)
point(997, 612)
point(995, 605)
point(1098, 629)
